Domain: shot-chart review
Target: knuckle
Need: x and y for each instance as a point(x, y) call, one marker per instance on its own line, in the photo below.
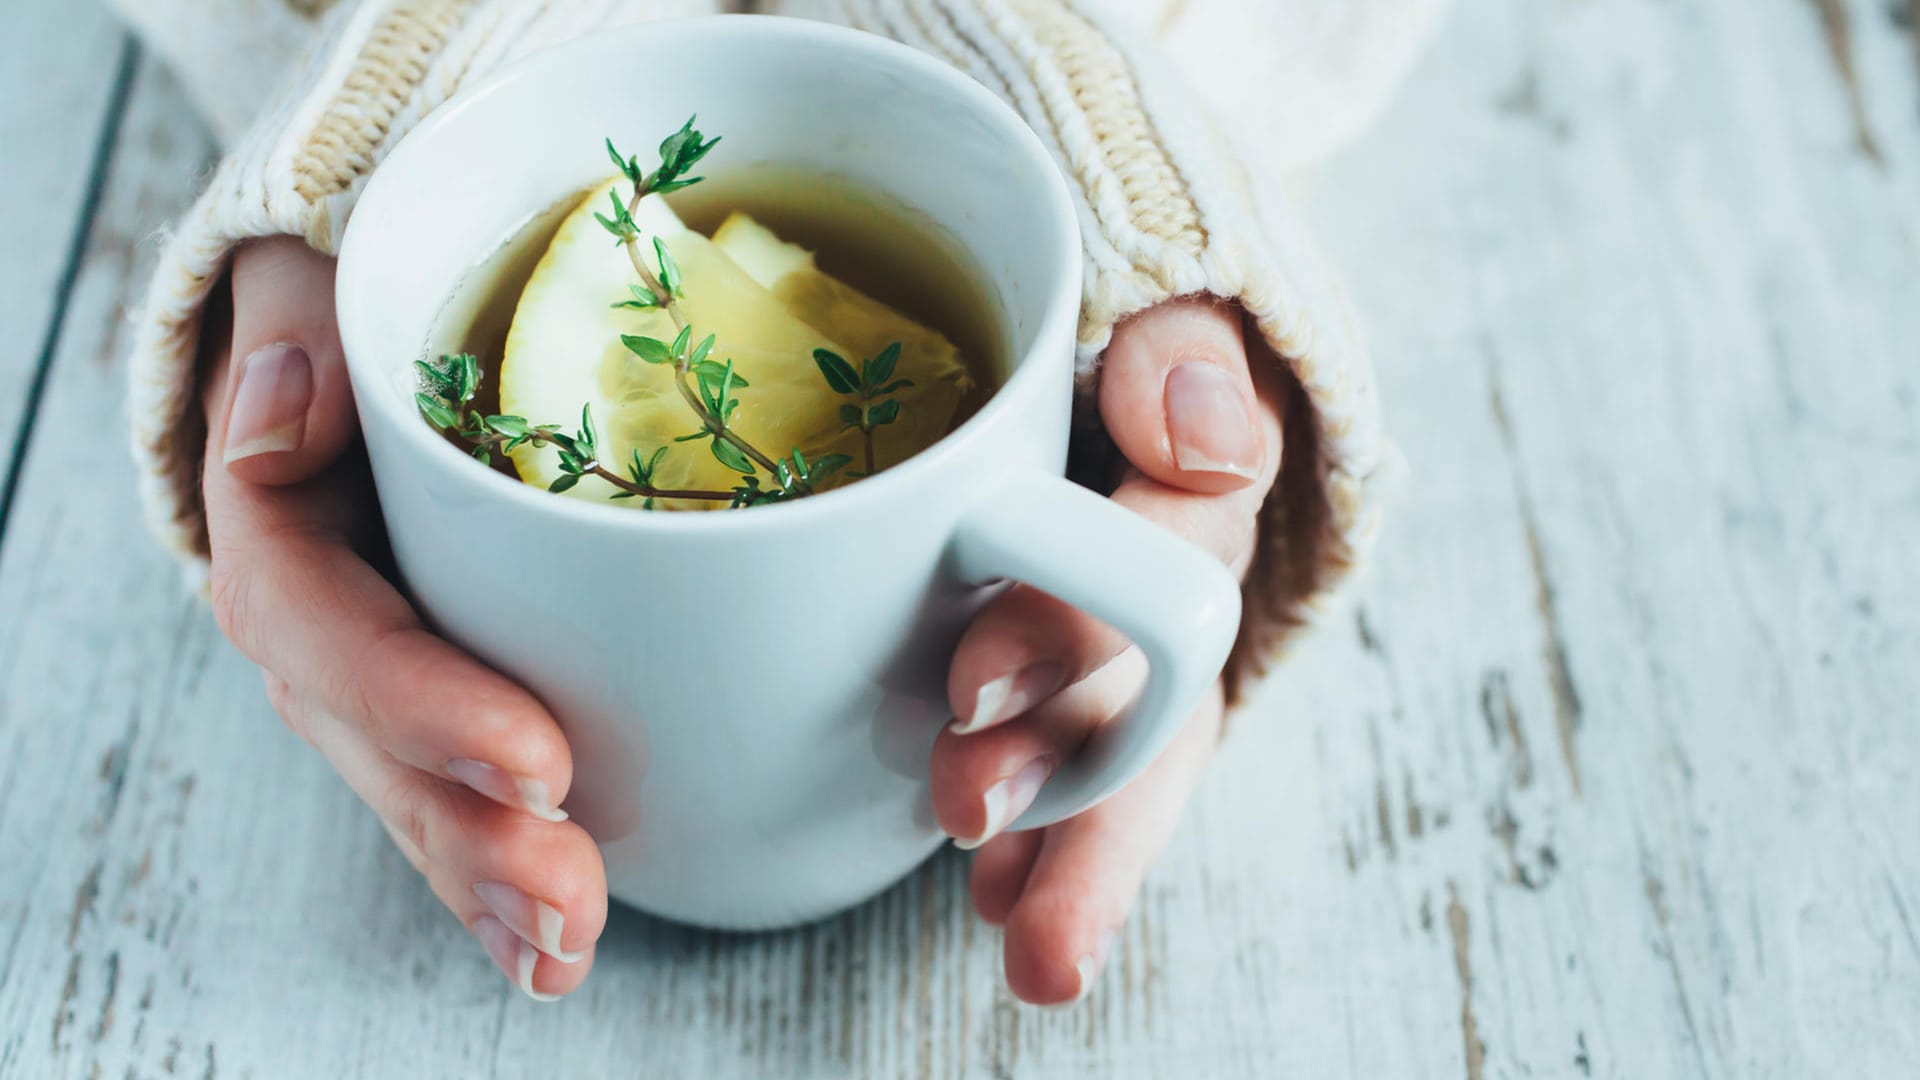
point(1210, 349)
point(228, 588)
point(436, 818)
point(279, 691)
point(288, 704)
point(1239, 527)
point(572, 877)
point(347, 687)
point(272, 262)
point(414, 811)
point(383, 659)
point(1227, 525)
point(414, 856)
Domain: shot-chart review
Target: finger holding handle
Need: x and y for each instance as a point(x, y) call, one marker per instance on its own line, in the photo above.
point(1177, 603)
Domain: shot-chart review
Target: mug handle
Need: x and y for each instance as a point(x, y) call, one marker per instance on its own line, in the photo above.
point(1176, 602)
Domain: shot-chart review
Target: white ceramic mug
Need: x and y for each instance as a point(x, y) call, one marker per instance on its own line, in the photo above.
point(750, 744)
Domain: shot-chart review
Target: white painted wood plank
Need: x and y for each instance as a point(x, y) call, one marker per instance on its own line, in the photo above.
point(1644, 312)
point(58, 67)
point(1648, 328)
point(86, 648)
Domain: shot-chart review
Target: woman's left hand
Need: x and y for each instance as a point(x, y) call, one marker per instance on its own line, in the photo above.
point(1200, 429)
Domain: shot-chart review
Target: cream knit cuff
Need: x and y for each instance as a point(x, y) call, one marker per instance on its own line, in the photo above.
point(1165, 207)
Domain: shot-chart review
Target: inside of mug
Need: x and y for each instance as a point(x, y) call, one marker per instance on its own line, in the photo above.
point(794, 97)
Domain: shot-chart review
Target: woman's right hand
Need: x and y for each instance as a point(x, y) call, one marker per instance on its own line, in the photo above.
point(464, 768)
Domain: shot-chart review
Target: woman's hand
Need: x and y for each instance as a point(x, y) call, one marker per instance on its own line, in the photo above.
point(464, 768)
point(1200, 429)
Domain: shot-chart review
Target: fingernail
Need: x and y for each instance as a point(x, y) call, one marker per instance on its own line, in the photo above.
point(1010, 695)
point(511, 953)
point(536, 921)
point(1088, 967)
point(1007, 800)
point(1208, 422)
point(503, 787)
point(269, 413)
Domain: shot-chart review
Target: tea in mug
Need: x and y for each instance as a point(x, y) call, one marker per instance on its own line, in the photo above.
point(773, 267)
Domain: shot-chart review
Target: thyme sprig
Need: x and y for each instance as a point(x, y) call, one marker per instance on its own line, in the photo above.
point(664, 289)
point(454, 380)
point(872, 407)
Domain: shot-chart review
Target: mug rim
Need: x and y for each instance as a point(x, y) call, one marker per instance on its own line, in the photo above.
point(525, 76)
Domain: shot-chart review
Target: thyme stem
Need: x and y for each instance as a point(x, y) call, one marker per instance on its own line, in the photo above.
point(645, 491)
point(670, 302)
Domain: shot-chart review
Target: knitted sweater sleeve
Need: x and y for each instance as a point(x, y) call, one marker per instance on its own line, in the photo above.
point(1168, 204)
point(1170, 207)
point(229, 54)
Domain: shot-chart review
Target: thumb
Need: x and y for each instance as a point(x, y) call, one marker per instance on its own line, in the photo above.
point(288, 408)
point(1178, 399)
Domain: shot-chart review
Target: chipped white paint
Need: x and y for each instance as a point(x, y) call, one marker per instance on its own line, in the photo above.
point(1612, 771)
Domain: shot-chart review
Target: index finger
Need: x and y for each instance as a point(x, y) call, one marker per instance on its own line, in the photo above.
point(1025, 645)
point(292, 594)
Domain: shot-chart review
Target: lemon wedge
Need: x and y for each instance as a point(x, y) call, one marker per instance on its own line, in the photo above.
point(564, 351)
point(858, 321)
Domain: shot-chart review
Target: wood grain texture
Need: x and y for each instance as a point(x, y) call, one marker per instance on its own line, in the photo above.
point(70, 62)
point(1611, 770)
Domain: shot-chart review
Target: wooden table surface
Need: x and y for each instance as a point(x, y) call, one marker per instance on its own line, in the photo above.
point(1610, 770)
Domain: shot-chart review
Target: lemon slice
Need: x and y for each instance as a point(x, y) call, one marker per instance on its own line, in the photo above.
point(863, 324)
point(564, 351)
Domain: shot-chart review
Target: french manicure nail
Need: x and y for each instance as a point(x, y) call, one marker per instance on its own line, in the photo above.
point(536, 921)
point(1010, 695)
point(503, 787)
point(1209, 423)
point(269, 413)
point(1088, 967)
point(1007, 800)
point(513, 955)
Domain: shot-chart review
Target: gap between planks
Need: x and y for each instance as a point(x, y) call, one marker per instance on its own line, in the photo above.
point(101, 163)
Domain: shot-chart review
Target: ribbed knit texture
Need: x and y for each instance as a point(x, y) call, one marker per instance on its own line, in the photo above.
point(1168, 205)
